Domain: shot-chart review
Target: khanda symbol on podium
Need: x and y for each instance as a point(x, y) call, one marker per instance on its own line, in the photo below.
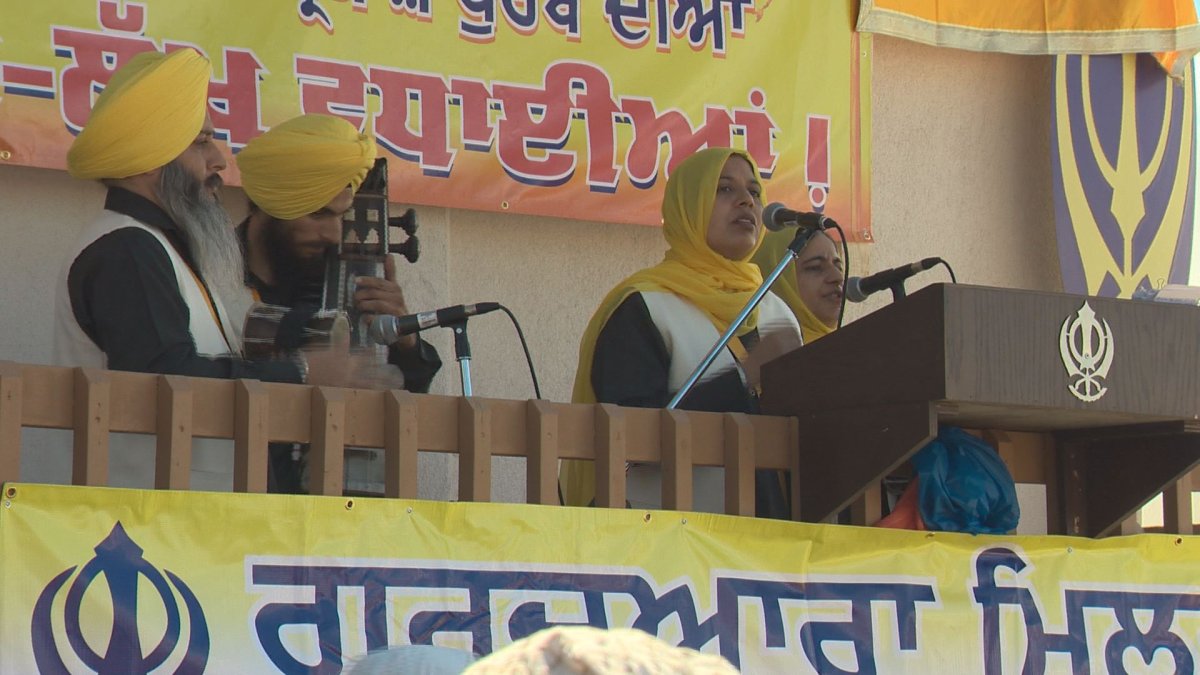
point(1086, 347)
point(1123, 156)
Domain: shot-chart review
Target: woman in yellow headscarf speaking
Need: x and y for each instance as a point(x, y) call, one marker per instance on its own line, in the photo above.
point(654, 327)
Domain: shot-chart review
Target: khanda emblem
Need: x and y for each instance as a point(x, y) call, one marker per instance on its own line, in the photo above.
point(1123, 162)
point(84, 611)
point(1086, 346)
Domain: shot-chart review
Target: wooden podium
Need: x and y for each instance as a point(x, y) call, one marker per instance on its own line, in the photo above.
point(874, 392)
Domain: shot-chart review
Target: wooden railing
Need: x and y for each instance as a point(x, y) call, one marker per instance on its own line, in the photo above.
point(176, 409)
point(93, 403)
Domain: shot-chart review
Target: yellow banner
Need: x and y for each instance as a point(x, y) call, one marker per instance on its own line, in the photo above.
point(126, 581)
point(553, 107)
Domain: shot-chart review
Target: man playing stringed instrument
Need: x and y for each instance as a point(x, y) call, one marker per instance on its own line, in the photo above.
point(301, 177)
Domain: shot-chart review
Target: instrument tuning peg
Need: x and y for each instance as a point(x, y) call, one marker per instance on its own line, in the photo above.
point(410, 249)
point(406, 222)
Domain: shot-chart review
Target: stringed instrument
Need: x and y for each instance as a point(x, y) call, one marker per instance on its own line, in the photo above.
point(365, 244)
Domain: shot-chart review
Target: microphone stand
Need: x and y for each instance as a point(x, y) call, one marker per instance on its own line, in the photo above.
point(803, 234)
point(462, 352)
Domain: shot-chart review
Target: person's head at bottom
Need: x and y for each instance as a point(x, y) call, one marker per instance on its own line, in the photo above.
point(412, 660)
point(583, 650)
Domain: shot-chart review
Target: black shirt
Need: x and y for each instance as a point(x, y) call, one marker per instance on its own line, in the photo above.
point(631, 367)
point(126, 298)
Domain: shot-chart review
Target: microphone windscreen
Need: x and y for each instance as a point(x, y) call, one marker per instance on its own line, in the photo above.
point(383, 330)
point(773, 216)
point(853, 290)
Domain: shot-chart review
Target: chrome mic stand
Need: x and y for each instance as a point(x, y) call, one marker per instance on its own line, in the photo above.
point(803, 234)
point(462, 352)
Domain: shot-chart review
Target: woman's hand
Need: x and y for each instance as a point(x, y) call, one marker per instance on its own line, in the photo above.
point(770, 347)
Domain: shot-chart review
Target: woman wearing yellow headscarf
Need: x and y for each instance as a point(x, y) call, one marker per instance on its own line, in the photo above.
point(811, 285)
point(654, 327)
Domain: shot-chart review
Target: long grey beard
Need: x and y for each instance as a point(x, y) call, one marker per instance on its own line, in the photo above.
point(210, 236)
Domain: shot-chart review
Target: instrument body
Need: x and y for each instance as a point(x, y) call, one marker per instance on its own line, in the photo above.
point(366, 242)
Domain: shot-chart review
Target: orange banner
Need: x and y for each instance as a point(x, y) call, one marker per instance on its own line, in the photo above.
point(1166, 27)
point(551, 107)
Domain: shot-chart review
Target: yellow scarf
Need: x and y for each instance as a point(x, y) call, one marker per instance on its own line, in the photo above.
point(299, 166)
point(772, 250)
point(150, 112)
point(719, 287)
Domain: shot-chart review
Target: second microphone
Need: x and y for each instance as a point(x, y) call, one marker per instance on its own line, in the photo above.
point(386, 329)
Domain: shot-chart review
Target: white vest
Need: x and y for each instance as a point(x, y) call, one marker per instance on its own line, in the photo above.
point(688, 335)
point(131, 456)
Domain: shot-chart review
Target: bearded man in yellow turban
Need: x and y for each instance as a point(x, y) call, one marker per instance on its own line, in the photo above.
point(300, 178)
point(141, 288)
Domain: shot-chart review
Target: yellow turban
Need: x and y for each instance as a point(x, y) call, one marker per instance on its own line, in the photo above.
point(299, 166)
point(151, 111)
point(774, 247)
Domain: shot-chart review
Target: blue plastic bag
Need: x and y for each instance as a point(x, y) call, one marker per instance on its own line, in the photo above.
point(965, 486)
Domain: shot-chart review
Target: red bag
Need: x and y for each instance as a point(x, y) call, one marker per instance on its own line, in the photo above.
point(907, 514)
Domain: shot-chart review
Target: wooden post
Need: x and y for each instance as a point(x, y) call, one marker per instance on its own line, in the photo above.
point(326, 455)
point(610, 456)
point(739, 465)
point(676, 444)
point(1177, 506)
point(11, 391)
point(868, 508)
point(475, 451)
point(400, 450)
point(90, 462)
point(173, 454)
point(250, 436)
point(541, 433)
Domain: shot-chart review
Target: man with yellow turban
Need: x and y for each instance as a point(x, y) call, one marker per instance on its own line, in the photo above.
point(141, 288)
point(301, 177)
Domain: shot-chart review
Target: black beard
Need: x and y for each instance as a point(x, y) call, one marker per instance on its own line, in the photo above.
point(287, 268)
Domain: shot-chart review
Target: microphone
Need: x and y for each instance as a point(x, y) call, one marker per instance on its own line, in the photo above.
point(776, 216)
point(858, 288)
point(386, 329)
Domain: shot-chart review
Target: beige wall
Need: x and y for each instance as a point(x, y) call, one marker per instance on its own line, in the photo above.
point(960, 170)
point(961, 167)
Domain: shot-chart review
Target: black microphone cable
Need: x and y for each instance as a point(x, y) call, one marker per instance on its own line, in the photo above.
point(953, 279)
point(845, 272)
point(537, 391)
